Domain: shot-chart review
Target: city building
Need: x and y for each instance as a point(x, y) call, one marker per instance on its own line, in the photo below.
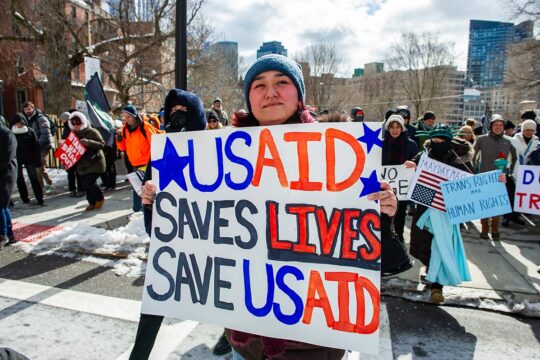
point(473, 105)
point(271, 47)
point(488, 44)
point(227, 53)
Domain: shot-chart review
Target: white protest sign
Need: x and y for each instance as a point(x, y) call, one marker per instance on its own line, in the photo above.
point(425, 186)
point(268, 230)
point(527, 199)
point(399, 177)
point(91, 66)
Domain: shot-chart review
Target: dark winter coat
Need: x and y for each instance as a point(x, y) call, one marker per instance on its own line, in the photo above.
point(407, 150)
point(42, 127)
point(28, 150)
point(8, 165)
point(420, 238)
point(95, 145)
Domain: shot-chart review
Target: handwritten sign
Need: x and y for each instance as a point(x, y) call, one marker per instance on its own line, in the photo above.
point(399, 177)
point(269, 231)
point(425, 186)
point(70, 151)
point(527, 199)
point(475, 197)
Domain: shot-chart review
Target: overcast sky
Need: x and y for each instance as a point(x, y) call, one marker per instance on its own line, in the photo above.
point(363, 30)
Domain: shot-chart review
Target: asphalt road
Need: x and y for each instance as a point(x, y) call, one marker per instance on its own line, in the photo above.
point(53, 307)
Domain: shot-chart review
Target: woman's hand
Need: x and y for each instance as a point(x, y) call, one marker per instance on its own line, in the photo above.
point(409, 164)
point(148, 193)
point(387, 198)
point(502, 178)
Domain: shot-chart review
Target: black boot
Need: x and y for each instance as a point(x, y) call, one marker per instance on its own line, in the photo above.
point(222, 347)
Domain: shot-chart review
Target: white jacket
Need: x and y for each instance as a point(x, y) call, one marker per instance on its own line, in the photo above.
point(522, 149)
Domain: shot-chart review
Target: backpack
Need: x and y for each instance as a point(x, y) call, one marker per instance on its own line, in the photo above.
point(52, 125)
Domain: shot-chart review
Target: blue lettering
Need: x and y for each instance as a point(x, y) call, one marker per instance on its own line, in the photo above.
point(238, 160)
point(193, 177)
point(296, 299)
point(263, 311)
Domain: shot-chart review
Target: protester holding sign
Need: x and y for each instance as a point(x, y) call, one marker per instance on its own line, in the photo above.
point(398, 149)
point(430, 225)
point(29, 157)
point(274, 92)
point(92, 164)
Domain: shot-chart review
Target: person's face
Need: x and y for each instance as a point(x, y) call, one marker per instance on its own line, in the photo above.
point(212, 123)
point(394, 129)
point(273, 98)
point(217, 105)
point(19, 124)
point(429, 122)
point(29, 110)
point(76, 124)
point(129, 119)
point(437, 140)
point(466, 134)
point(528, 133)
point(509, 132)
point(497, 127)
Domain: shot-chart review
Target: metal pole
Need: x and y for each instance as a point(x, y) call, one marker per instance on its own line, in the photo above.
point(181, 45)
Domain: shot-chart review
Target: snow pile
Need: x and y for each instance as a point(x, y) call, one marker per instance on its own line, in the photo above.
point(126, 246)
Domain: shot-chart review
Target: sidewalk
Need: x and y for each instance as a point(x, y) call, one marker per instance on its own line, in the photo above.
point(504, 273)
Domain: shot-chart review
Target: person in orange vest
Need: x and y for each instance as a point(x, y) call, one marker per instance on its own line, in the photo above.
point(134, 138)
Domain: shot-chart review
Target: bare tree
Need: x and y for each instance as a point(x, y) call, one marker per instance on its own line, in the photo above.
point(320, 64)
point(525, 10)
point(425, 63)
point(121, 41)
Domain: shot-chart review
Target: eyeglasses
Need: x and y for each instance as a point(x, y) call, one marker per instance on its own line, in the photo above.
point(212, 121)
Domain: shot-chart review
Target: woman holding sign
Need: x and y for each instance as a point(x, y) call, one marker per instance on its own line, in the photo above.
point(274, 92)
point(398, 149)
point(92, 164)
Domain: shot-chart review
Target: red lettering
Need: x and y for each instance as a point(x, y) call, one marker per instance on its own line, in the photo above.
point(315, 287)
point(343, 279)
point(266, 141)
point(301, 139)
point(349, 234)
point(273, 228)
point(328, 232)
point(534, 199)
point(372, 249)
point(520, 195)
point(301, 213)
point(362, 284)
point(330, 137)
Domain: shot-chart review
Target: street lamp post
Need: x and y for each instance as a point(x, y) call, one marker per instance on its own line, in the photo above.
point(181, 45)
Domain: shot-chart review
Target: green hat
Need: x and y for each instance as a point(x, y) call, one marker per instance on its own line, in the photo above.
point(441, 131)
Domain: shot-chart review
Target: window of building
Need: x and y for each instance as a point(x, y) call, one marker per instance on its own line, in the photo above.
point(20, 96)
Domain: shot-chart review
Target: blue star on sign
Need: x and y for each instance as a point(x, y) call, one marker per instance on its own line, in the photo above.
point(371, 184)
point(171, 167)
point(370, 137)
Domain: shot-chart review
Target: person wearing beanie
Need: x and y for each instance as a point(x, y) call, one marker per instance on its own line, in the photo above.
point(405, 113)
point(423, 126)
point(183, 111)
point(357, 114)
point(213, 121)
point(275, 94)
point(458, 153)
point(398, 149)
point(92, 163)
point(217, 107)
point(134, 139)
point(524, 144)
point(529, 115)
point(488, 148)
point(28, 157)
point(74, 179)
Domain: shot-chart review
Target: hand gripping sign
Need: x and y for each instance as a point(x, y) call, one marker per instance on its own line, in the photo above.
point(70, 151)
point(269, 231)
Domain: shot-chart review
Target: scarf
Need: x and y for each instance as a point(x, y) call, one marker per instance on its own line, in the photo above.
point(17, 131)
point(394, 150)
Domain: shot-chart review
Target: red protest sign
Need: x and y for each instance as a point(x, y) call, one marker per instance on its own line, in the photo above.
point(70, 151)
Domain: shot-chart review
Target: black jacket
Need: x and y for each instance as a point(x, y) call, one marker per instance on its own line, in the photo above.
point(8, 165)
point(28, 150)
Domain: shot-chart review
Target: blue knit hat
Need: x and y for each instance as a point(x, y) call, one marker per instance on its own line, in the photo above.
point(195, 115)
point(131, 110)
point(279, 63)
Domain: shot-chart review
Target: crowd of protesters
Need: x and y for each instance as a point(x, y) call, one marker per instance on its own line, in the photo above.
point(475, 147)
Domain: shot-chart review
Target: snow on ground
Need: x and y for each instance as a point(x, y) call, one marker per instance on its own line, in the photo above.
point(462, 296)
point(123, 249)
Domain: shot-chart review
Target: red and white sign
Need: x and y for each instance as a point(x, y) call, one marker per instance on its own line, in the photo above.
point(70, 151)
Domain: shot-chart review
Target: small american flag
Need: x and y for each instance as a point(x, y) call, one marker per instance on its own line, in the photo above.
point(428, 190)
